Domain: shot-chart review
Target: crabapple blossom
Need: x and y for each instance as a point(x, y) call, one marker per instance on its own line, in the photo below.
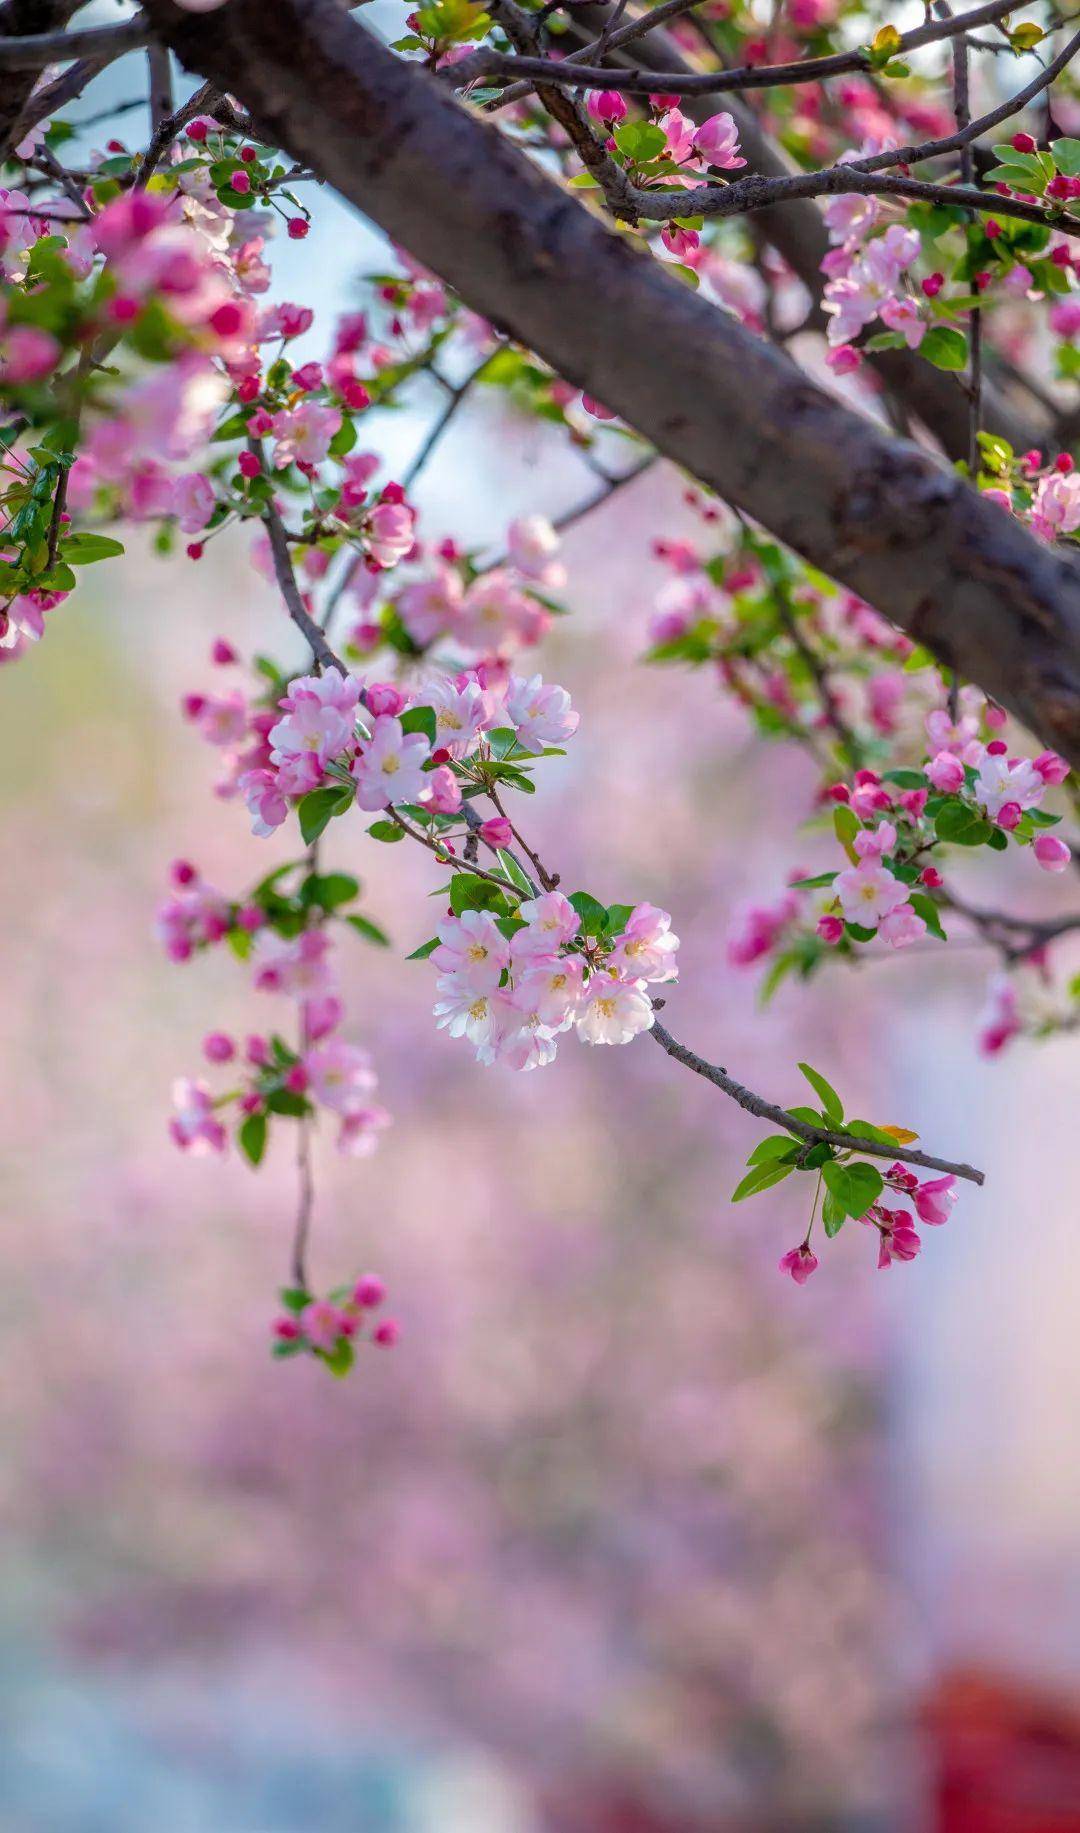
point(717, 140)
point(390, 767)
point(613, 1011)
point(540, 715)
point(646, 949)
point(473, 949)
point(868, 892)
point(799, 1262)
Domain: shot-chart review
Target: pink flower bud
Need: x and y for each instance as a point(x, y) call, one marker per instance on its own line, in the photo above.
point(1052, 768)
point(383, 697)
point(240, 181)
point(299, 227)
point(931, 878)
point(1023, 143)
point(218, 1047)
point(946, 772)
point(496, 832)
point(830, 929)
point(248, 465)
point(369, 1291)
point(182, 872)
point(223, 653)
point(1009, 816)
point(387, 1333)
point(800, 1263)
point(606, 105)
point(1052, 854)
point(286, 1328)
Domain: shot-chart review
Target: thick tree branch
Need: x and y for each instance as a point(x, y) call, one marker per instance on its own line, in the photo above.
point(956, 572)
point(796, 230)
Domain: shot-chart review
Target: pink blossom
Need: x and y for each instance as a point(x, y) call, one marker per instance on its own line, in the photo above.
point(319, 718)
point(28, 354)
point(868, 892)
point(390, 767)
point(297, 965)
point(1052, 768)
point(1001, 780)
point(265, 801)
point(679, 131)
point(496, 832)
point(717, 140)
point(193, 1126)
point(614, 1011)
point(799, 1262)
point(540, 715)
point(497, 617)
point(946, 772)
point(390, 530)
point(903, 315)
point(843, 361)
point(459, 715)
point(339, 1075)
point(549, 921)
point(444, 791)
point(934, 1200)
point(901, 926)
point(551, 989)
point(897, 1239)
point(1000, 1018)
point(431, 606)
point(1056, 508)
point(303, 433)
point(606, 106)
point(532, 547)
point(321, 1324)
point(646, 949)
point(473, 950)
point(359, 1132)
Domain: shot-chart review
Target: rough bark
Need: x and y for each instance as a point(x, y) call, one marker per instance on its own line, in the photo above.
point(797, 231)
point(879, 515)
point(17, 20)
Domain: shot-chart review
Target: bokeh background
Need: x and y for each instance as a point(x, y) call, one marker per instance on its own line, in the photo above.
point(628, 1535)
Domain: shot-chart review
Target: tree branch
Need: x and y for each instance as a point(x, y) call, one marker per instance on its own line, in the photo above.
point(768, 1110)
point(954, 571)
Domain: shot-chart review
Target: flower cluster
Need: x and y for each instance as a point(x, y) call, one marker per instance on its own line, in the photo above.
point(284, 937)
point(330, 1328)
point(513, 984)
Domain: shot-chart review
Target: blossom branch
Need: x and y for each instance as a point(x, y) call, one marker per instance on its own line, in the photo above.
point(569, 73)
point(814, 1136)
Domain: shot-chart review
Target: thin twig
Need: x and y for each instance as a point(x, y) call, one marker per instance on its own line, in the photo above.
point(566, 73)
point(768, 1110)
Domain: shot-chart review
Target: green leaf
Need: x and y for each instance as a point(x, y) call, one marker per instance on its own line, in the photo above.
point(962, 826)
point(831, 1104)
point(425, 949)
point(618, 915)
point(592, 913)
point(812, 884)
point(762, 1177)
point(640, 141)
point(1066, 155)
point(926, 908)
point(945, 347)
point(329, 890)
point(420, 719)
point(340, 1359)
point(387, 831)
point(251, 1138)
point(317, 809)
point(294, 1299)
point(846, 824)
point(875, 1136)
point(370, 931)
point(776, 1145)
point(467, 892)
point(855, 1187)
point(513, 871)
point(344, 439)
point(83, 549)
point(833, 1215)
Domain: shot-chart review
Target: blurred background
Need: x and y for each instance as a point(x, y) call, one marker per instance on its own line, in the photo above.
point(628, 1535)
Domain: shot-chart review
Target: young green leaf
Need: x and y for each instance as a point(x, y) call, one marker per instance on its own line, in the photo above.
point(832, 1106)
